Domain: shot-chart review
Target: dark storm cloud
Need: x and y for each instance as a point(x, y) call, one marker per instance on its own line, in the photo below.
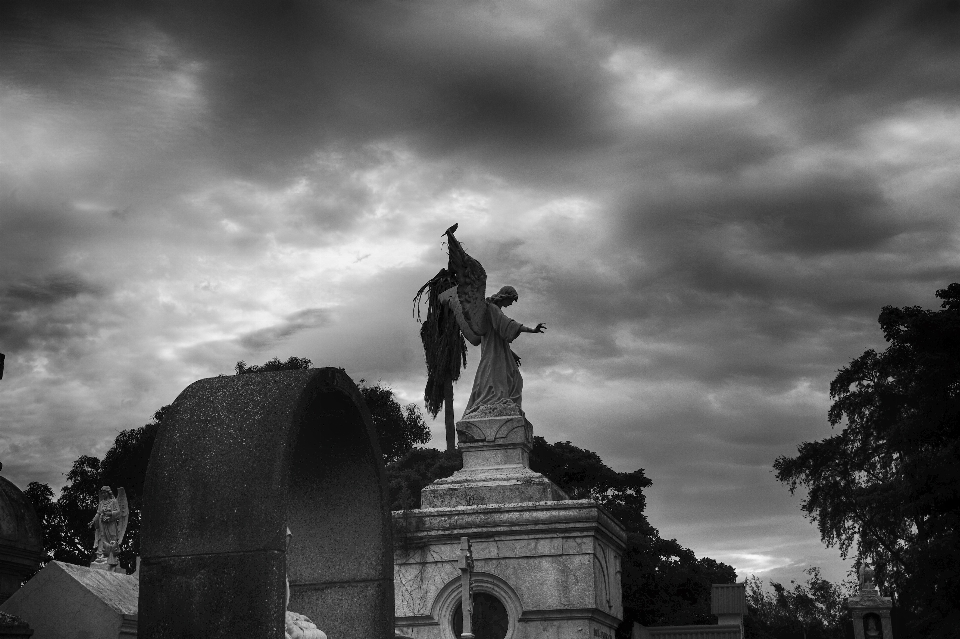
point(280, 79)
point(43, 310)
point(844, 62)
point(47, 291)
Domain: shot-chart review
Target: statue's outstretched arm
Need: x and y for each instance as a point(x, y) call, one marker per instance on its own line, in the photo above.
point(541, 327)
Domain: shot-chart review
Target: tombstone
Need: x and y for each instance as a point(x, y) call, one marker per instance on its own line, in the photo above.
point(21, 539)
point(237, 461)
point(64, 601)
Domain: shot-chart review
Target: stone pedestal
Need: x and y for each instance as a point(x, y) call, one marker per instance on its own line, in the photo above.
point(545, 566)
point(496, 467)
point(871, 614)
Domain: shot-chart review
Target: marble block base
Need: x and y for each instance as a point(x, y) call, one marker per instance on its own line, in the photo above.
point(554, 566)
point(484, 486)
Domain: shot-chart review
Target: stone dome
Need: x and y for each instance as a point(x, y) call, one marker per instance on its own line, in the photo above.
point(19, 526)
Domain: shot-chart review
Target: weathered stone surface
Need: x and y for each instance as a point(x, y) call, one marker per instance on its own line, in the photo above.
point(225, 593)
point(64, 601)
point(21, 541)
point(238, 460)
point(485, 486)
point(554, 565)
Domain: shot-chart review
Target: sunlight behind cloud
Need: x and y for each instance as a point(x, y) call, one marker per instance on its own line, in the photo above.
point(651, 87)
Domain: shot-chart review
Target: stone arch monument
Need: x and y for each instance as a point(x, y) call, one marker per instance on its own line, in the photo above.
point(21, 540)
point(239, 459)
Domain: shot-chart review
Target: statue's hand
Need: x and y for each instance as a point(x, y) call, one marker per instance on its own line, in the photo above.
point(516, 358)
point(541, 327)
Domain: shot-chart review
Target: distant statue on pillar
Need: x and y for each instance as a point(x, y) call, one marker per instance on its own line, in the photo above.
point(870, 611)
point(109, 524)
point(498, 386)
point(866, 576)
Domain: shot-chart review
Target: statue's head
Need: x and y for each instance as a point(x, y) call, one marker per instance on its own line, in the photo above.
point(106, 493)
point(505, 296)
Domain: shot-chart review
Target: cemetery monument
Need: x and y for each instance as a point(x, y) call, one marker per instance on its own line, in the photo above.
point(540, 564)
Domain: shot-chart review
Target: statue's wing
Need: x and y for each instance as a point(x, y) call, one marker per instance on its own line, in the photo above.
point(124, 513)
point(471, 286)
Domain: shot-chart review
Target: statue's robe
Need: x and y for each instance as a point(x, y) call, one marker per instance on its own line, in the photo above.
point(498, 376)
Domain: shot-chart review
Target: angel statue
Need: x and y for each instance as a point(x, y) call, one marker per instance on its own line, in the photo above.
point(498, 386)
point(110, 523)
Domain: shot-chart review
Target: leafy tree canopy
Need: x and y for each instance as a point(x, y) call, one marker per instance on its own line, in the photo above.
point(889, 482)
point(815, 610)
point(399, 428)
point(292, 364)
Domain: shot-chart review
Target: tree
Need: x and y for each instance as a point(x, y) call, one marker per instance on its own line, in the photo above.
point(665, 584)
point(399, 428)
point(582, 475)
point(889, 482)
point(812, 611)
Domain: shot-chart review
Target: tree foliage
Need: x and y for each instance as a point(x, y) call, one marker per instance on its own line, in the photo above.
point(582, 475)
point(399, 428)
point(273, 365)
point(889, 482)
point(815, 610)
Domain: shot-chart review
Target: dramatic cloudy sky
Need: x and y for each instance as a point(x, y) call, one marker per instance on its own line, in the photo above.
point(708, 203)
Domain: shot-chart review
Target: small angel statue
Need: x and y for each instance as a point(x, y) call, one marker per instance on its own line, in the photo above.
point(110, 524)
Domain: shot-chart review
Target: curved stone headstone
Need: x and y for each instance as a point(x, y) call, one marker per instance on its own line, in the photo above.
point(238, 460)
point(21, 539)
